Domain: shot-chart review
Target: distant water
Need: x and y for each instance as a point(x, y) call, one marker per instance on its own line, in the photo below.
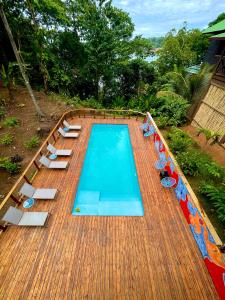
point(152, 58)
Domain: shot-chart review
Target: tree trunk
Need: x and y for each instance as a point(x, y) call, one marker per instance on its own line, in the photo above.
point(8, 30)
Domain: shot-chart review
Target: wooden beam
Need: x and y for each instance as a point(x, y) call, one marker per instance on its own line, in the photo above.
point(14, 199)
point(26, 179)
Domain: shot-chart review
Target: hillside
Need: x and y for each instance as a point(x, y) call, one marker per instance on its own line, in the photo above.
point(23, 110)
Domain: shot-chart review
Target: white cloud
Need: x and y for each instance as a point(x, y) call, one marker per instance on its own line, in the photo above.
point(156, 17)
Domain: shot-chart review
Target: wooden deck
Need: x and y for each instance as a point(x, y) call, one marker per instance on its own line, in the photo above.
point(150, 257)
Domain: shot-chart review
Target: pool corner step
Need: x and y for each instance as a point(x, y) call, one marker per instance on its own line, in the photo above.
point(88, 197)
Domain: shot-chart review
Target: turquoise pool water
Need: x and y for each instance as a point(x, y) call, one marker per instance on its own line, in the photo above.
point(108, 183)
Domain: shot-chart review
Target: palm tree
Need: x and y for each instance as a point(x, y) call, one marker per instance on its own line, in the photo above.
point(191, 87)
point(19, 61)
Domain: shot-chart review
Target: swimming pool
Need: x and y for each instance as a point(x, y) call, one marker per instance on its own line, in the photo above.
point(108, 183)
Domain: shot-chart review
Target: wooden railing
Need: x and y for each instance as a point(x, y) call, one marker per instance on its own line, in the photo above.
point(33, 167)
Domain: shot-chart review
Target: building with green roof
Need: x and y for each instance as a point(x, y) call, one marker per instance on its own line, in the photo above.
point(216, 51)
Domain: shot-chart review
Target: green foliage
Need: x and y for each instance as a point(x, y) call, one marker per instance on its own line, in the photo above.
point(181, 48)
point(189, 163)
point(211, 170)
point(209, 134)
point(6, 164)
point(192, 161)
point(162, 121)
point(189, 86)
point(6, 139)
point(175, 110)
point(33, 142)
point(217, 196)
point(179, 141)
point(11, 122)
point(2, 112)
point(220, 18)
point(156, 41)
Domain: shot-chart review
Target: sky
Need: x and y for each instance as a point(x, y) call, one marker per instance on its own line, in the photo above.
point(156, 17)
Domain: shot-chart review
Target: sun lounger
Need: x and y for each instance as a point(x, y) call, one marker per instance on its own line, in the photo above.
point(68, 134)
point(71, 127)
point(29, 191)
point(53, 164)
point(59, 152)
point(18, 217)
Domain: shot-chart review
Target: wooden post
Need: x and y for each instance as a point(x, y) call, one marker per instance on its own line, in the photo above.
point(222, 140)
point(3, 228)
point(36, 165)
point(14, 199)
point(54, 136)
point(26, 179)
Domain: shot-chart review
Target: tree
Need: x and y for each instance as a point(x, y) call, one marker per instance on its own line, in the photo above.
point(19, 61)
point(181, 48)
point(220, 18)
point(191, 87)
point(105, 32)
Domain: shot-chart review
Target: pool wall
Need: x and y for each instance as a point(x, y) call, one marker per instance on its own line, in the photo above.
point(108, 184)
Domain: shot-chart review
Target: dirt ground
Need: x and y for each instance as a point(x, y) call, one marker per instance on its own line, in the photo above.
point(216, 151)
point(22, 108)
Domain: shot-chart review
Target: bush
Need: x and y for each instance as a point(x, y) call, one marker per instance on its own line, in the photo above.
point(2, 112)
point(194, 162)
point(211, 170)
point(6, 140)
point(175, 110)
point(6, 164)
point(11, 122)
point(32, 142)
point(217, 196)
point(209, 135)
point(179, 141)
point(161, 122)
point(189, 162)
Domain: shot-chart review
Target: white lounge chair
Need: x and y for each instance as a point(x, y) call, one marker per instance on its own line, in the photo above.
point(29, 191)
point(68, 134)
point(53, 164)
point(18, 217)
point(59, 152)
point(71, 127)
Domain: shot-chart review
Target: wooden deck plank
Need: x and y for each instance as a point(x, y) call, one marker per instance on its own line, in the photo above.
point(150, 257)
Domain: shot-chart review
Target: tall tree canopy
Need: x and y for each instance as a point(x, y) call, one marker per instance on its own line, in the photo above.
point(73, 46)
point(182, 48)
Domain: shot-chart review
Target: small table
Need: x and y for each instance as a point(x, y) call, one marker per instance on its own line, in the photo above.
point(168, 182)
point(53, 156)
point(66, 129)
point(159, 165)
point(28, 203)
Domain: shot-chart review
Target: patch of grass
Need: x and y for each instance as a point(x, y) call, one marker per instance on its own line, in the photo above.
point(32, 143)
point(10, 167)
point(11, 122)
point(2, 112)
point(6, 139)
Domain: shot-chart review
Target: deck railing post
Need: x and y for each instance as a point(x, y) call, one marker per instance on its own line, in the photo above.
point(26, 179)
point(54, 136)
point(3, 228)
point(36, 165)
point(14, 199)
